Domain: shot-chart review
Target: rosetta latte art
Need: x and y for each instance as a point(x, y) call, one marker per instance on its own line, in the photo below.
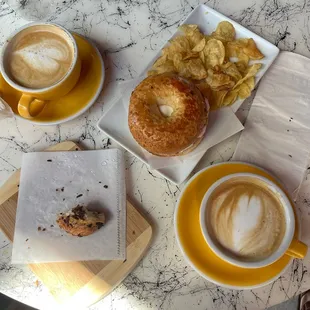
point(39, 59)
point(246, 219)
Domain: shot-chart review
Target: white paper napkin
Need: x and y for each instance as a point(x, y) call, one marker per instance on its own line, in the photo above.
point(54, 182)
point(277, 131)
point(221, 125)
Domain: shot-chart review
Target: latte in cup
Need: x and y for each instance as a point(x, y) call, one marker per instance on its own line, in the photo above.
point(39, 56)
point(246, 219)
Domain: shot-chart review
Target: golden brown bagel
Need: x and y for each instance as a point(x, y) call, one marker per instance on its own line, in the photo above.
point(174, 135)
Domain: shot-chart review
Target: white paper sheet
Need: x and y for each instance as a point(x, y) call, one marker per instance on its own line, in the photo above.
point(277, 131)
point(52, 182)
point(221, 124)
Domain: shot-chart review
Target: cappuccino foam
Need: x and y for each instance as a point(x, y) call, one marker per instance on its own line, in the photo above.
point(39, 57)
point(246, 218)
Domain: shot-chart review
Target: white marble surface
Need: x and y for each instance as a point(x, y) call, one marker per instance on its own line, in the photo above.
point(128, 33)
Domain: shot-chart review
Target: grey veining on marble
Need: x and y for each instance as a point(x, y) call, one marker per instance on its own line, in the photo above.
point(128, 33)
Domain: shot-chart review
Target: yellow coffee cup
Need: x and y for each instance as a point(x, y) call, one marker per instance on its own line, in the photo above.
point(248, 221)
point(41, 61)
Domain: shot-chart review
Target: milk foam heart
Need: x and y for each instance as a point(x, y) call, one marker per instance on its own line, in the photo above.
point(246, 218)
point(39, 59)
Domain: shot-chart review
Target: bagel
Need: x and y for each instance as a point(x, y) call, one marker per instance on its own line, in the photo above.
point(177, 132)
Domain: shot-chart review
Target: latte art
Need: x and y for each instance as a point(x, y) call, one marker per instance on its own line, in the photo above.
point(39, 59)
point(246, 218)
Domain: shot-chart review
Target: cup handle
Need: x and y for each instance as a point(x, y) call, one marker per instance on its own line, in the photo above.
point(29, 106)
point(297, 249)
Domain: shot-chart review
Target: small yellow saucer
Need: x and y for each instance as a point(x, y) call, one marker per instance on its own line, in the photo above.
point(80, 98)
point(193, 245)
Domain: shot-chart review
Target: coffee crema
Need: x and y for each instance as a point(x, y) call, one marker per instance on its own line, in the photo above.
point(39, 56)
point(246, 218)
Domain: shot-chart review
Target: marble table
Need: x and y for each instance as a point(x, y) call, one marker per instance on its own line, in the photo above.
point(128, 33)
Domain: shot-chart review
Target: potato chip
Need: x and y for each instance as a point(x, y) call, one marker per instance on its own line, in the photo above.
point(252, 51)
point(177, 45)
point(231, 50)
point(243, 57)
point(230, 97)
point(202, 56)
point(218, 80)
point(207, 38)
point(231, 69)
point(252, 70)
point(214, 53)
point(244, 91)
point(250, 82)
point(193, 34)
point(195, 38)
point(225, 31)
point(217, 98)
point(217, 63)
point(168, 66)
point(205, 89)
point(236, 44)
point(200, 46)
point(177, 58)
point(245, 46)
point(152, 72)
point(192, 68)
point(188, 29)
point(241, 66)
point(190, 55)
point(161, 60)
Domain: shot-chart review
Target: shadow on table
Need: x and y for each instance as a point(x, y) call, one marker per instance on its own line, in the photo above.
point(291, 304)
point(7, 303)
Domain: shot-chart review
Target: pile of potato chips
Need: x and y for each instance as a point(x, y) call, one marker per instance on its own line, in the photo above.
point(206, 60)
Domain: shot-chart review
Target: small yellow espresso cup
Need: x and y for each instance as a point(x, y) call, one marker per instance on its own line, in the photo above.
point(40, 60)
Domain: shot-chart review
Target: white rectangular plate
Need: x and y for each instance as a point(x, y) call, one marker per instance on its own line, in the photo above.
point(114, 123)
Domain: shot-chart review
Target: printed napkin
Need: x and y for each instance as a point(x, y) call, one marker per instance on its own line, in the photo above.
point(277, 131)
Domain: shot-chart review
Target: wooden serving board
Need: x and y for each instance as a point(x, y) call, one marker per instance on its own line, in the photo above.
point(79, 284)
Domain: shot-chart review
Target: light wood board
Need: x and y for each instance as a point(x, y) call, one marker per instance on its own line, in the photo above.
point(79, 284)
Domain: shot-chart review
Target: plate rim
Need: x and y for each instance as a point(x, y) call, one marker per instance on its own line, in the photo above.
point(187, 259)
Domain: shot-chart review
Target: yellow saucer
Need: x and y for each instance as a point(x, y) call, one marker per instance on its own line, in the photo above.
point(193, 245)
point(80, 98)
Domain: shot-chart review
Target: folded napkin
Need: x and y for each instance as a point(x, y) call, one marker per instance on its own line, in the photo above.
point(277, 131)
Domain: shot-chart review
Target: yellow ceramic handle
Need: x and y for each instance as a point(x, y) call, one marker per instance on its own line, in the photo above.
point(29, 106)
point(297, 249)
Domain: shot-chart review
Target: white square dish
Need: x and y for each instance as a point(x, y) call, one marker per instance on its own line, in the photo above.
point(114, 122)
point(115, 125)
